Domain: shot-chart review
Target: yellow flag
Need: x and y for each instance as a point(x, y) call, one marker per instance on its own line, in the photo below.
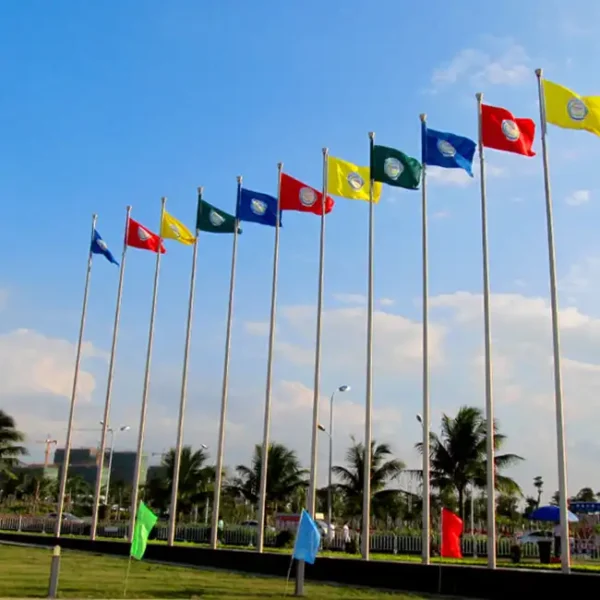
point(350, 181)
point(565, 108)
point(172, 229)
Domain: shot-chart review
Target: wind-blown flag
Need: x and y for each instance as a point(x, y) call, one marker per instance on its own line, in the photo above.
point(395, 168)
point(214, 220)
point(145, 520)
point(295, 195)
point(447, 150)
point(99, 247)
point(308, 539)
point(140, 237)
point(500, 130)
point(257, 207)
point(173, 229)
point(348, 180)
point(564, 108)
point(452, 527)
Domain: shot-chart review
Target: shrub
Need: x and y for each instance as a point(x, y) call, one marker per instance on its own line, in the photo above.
point(284, 539)
point(515, 553)
point(352, 546)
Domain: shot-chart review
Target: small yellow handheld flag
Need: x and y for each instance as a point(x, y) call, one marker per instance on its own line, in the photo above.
point(350, 181)
point(172, 229)
point(564, 108)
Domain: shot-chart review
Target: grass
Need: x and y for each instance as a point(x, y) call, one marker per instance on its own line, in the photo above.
point(25, 573)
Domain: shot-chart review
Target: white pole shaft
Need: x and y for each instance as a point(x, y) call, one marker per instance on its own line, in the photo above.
point(144, 408)
point(330, 482)
point(262, 496)
point(109, 385)
point(565, 556)
point(225, 389)
point(110, 463)
point(68, 442)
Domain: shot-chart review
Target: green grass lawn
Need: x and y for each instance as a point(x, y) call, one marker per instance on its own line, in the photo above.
point(24, 572)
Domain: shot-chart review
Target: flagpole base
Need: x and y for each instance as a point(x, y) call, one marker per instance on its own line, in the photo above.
point(299, 589)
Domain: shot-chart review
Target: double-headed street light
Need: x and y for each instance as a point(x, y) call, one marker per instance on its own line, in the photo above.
point(113, 432)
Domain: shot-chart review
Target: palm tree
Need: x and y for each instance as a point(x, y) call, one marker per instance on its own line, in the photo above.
point(10, 448)
point(383, 471)
point(538, 484)
point(458, 455)
point(284, 477)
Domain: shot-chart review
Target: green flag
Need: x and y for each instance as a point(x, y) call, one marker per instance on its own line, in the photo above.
point(210, 218)
point(144, 522)
point(393, 167)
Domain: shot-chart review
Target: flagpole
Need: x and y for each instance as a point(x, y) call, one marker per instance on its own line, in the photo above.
point(265, 445)
point(489, 399)
point(425, 551)
point(558, 396)
point(145, 393)
point(183, 396)
point(67, 454)
point(366, 509)
point(225, 387)
point(109, 384)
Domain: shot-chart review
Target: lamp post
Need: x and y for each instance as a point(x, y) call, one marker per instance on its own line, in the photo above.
point(113, 433)
point(342, 388)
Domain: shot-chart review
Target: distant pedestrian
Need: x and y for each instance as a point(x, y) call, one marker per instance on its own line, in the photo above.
point(220, 529)
point(346, 536)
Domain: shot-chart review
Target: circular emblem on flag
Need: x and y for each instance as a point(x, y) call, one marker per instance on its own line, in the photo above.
point(510, 130)
point(143, 234)
point(175, 230)
point(446, 148)
point(577, 109)
point(258, 207)
point(393, 168)
point(215, 218)
point(356, 181)
point(102, 244)
point(307, 196)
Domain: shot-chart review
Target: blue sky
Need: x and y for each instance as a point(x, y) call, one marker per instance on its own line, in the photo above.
point(125, 103)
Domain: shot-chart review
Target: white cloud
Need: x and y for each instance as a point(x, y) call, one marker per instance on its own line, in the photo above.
point(441, 214)
point(355, 299)
point(582, 277)
point(259, 328)
point(459, 177)
point(578, 198)
point(386, 302)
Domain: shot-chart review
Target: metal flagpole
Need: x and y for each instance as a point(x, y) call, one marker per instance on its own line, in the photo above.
point(140, 444)
point(225, 388)
point(425, 551)
point(366, 509)
point(487, 336)
point(67, 454)
point(109, 384)
point(183, 397)
point(560, 417)
point(262, 497)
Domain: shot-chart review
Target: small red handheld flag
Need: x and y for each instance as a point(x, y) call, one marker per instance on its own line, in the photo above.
point(500, 130)
point(140, 237)
point(452, 527)
point(295, 195)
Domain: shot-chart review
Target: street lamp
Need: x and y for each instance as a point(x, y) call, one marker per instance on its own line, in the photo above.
point(113, 433)
point(342, 388)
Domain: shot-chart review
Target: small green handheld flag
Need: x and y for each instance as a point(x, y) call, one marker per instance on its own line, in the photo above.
point(144, 522)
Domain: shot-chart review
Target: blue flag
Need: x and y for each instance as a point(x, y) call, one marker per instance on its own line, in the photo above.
point(99, 247)
point(308, 539)
point(447, 150)
point(257, 208)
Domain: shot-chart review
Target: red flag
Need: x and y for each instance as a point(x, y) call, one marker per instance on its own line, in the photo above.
point(295, 195)
point(452, 527)
point(501, 131)
point(140, 237)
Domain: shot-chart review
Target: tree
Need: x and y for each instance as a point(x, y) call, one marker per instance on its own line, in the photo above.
point(538, 484)
point(284, 477)
point(384, 470)
point(585, 494)
point(10, 447)
point(458, 455)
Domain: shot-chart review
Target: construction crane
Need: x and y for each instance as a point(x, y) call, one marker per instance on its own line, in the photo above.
point(49, 443)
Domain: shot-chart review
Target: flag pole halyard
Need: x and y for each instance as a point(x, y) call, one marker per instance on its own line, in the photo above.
point(489, 398)
point(183, 396)
point(225, 388)
point(366, 508)
point(109, 385)
point(267, 422)
point(146, 390)
point(67, 454)
point(425, 551)
point(558, 395)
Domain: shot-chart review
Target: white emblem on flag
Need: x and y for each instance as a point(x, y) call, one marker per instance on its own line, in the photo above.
point(393, 168)
point(215, 218)
point(102, 244)
point(510, 130)
point(307, 196)
point(175, 230)
point(446, 149)
point(143, 235)
point(577, 109)
point(258, 207)
point(356, 181)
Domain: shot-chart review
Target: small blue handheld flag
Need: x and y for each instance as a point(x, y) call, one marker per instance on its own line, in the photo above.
point(308, 539)
point(257, 208)
point(99, 247)
point(447, 150)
